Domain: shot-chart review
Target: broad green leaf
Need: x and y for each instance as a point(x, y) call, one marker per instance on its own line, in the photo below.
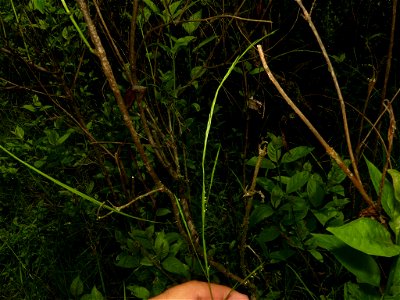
point(294, 211)
point(281, 255)
point(317, 255)
point(395, 221)
point(190, 27)
point(152, 6)
point(260, 213)
point(95, 294)
point(197, 72)
point(336, 175)
point(268, 234)
point(62, 139)
point(175, 266)
point(315, 190)
point(146, 261)
point(257, 70)
point(265, 163)
point(52, 136)
point(295, 154)
point(125, 260)
point(297, 181)
point(181, 42)
point(368, 236)
point(363, 266)
point(354, 291)
point(173, 8)
point(266, 183)
point(161, 246)
point(203, 43)
point(336, 189)
point(29, 107)
point(196, 107)
point(76, 287)
point(39, 5)
point(162, 212)
point(19, 132)
point(325, 214)
point(276, 196)
point(274, 152)
point(139, 291)
point(393, 285)
point(387, 197)
point(396, 183)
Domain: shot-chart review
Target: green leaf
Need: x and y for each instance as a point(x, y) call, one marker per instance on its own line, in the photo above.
point(276, 196)
point(297, 181)
point(197, 72)
point(327, 213)
point(161, 245)
point(295, 154)
point(76, 287)
point(203, 43)
point(265, 163)
point(368, 236)
point(393, 286)
point(152, 6)
point(274, 152)
point(336, 175)
point(387, 197)
point(260, 213)
point(39, 5)
point(315, 190)
point(125, 260)
point(190, 27)
point(95, 294)
point(62, 139)
point(146, 261)
point(336, 189)
point(173, 8)
point(396, 183)
point(268, 234)
point(363, 266)
point(354, 291)
point(281, 255)
point(162, 212)
point(182, 42)
point(29, 107)
point(175, 266)
point(139, 291)
point(266, 183)
point(19, 132)
point(52, 136)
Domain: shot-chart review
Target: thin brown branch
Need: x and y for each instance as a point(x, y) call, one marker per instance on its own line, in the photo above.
point(108, 72)
point(110, 39)
point(307, 17)
point(132, 37)
point(390, 52)
point(391, 130)
point(262, 152)
point(329, 150)
point(119, 208)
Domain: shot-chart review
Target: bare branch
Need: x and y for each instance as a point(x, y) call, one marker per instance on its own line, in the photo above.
point(331, 152)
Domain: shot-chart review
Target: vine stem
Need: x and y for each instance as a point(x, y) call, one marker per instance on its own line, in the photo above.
point(329, 150)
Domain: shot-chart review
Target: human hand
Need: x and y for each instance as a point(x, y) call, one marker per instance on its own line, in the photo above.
point(197, 290)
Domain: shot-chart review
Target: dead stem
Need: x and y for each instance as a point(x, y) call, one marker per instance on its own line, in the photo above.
point(329, 150)
point(307, 17)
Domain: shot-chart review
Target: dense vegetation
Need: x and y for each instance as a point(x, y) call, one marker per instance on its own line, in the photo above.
point(251, 143)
